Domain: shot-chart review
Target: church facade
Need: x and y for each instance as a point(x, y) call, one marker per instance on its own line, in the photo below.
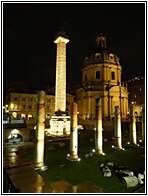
point(101, 79)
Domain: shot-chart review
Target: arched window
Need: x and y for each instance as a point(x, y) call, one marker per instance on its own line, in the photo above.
point(113, 75)
point(97, 56)
point(97, 74)
point(111, 57)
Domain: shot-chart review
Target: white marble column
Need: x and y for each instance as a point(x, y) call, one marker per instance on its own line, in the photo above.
point(143, 124)
point(118, 134)
point(98, 135)
point(133, 134)
point(74, 134)
point(39, 157)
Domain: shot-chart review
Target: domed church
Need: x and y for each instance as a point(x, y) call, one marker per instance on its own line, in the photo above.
point(101, 78)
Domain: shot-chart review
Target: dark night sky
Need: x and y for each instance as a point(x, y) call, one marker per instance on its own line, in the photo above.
point(29, 54)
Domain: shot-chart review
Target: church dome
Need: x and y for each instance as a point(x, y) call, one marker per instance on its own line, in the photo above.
point(101, 53)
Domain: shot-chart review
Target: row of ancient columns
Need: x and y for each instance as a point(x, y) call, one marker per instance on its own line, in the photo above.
point(108, 106)
point(39, 157)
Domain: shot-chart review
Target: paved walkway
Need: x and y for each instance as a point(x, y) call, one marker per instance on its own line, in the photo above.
point(27, 180)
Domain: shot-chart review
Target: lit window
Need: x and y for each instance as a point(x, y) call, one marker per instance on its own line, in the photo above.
point(97, 74)
point(135, 96)
point(30, 116)
point(140, 89)
point(23, 115)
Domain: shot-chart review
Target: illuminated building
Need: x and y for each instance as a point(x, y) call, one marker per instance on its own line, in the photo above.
point(24, 105)
point(101, 78)
point(136, 89)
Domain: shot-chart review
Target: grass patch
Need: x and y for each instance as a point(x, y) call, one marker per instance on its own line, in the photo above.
point(88, 169)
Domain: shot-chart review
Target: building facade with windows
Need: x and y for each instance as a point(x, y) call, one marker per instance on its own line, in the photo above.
point(136, 88)
point(24, 105)
point(101, 78)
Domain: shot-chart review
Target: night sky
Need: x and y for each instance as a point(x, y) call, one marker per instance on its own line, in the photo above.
point(29, 52)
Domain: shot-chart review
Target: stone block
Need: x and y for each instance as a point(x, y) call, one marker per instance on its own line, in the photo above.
point(106, 172)
point(110, 164)
point(128, 172)
point(130, 181)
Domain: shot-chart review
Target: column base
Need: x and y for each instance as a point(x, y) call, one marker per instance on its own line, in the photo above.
point(118, 143)
point(99, 152)
point(73, 158)
point(39, 166)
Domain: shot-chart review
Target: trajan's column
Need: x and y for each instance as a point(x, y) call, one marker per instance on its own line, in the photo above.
point(60, 95)
point(60, 123)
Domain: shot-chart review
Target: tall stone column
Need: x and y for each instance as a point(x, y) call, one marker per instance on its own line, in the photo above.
point(98, 134)
point(143, 124)
point(39, 155)
point(111, 105)
point(133, 134)
point(118, 134)
point(89, 105)
point(60, 94)
point(74, 134)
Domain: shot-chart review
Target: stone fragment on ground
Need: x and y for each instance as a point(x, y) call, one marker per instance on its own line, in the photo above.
point(106, 172)
point(61, 144)
point(110, 164)
point(130, 181)
point(128, 172)
point(87, 156)
point(140, 178)
point(102, 165)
